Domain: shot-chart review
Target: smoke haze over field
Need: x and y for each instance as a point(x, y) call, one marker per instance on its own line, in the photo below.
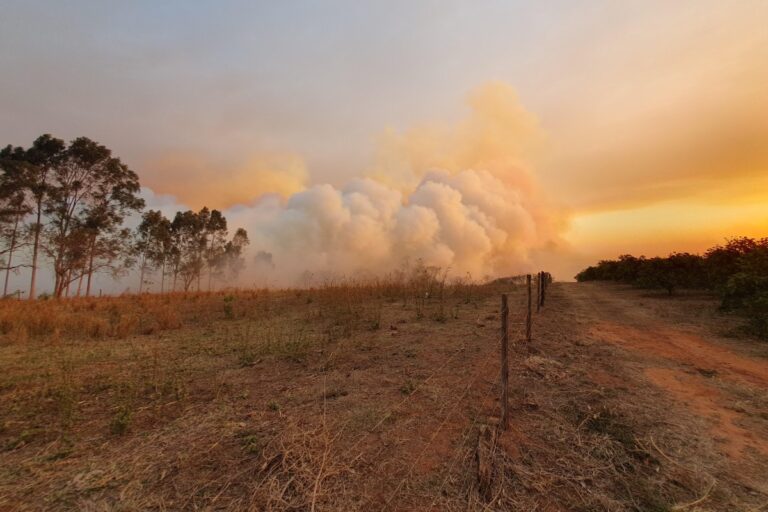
point(457, 197)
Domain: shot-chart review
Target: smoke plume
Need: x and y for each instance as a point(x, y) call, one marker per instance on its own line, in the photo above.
point(458, 196)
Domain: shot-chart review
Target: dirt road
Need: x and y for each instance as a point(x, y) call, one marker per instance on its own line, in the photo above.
point(699, 370)
point(671, 364)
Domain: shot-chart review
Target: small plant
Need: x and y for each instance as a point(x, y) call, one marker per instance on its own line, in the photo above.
point(408, 387)
point(246, 357)
point(420, 307)
point(229, 310)
point(253, 443)
point(439, 315)
point(375, 321)
point(121, 421)
point(273, 406)
point(290, 345)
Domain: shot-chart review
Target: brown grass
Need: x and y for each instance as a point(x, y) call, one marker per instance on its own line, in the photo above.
point(354, 395)
point(123, 375)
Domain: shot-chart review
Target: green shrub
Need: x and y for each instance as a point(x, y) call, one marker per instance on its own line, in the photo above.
point(756, 309)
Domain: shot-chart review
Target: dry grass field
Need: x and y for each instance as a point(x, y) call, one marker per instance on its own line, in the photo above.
point(373, 396)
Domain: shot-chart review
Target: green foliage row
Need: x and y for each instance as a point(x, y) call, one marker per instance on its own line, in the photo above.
point(737, 271)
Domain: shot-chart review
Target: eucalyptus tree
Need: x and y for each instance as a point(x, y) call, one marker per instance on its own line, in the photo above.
point(45, 154)
point(188, 230)
point(152, 244)
point(89, 193)
point(215, 240)
point(233, 260)
point(199, 243)
point(14, 206)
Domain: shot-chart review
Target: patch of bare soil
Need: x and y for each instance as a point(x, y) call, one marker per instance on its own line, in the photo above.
point(708, 402)
point(683, 348)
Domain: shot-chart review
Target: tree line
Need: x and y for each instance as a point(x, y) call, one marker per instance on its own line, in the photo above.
point(736, 271)
point(67, 204)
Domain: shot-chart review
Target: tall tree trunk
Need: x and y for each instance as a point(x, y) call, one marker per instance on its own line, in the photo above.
point(90, 267)
point(58, 266)
point(162, 276)
point(10, 254)
point(80, 282)
point(57, 288)
point(141, 272)
point(35, 249)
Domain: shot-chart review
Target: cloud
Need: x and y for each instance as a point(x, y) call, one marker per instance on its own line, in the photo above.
point(692, 129)
point(498, 136)
point(455, 195)
point(468, 221)
point(452, 195)
point(198, 182)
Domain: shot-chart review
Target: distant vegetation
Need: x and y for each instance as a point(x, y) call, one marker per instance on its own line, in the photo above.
point(737, 271)
point(67, 205)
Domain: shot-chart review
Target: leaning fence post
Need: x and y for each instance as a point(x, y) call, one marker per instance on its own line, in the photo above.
point(504, 363)
point(530, 310)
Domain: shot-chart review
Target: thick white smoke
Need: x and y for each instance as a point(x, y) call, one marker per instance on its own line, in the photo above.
point(469, 221)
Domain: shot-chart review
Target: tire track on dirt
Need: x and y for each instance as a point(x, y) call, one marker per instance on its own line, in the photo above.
point(697, 372)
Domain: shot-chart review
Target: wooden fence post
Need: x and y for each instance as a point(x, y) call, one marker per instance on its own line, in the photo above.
point(544, 283)
point(504, 363)
point(528, 316)
point(538, 292)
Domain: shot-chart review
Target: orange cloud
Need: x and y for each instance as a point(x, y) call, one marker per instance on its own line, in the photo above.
point(498, 136)
point(701, 134)
point(197, 182)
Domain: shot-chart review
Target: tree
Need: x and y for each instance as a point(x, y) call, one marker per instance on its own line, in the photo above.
point(152, 244)
point(215, 242)
point(678, 270)
point(233, 260)
point(722, 261)
point(199, 243)
point(89, 193)
point(188, 230)
point(45, 154)
point(14, 206)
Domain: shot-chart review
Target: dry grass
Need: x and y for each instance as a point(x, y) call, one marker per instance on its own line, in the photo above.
point(115, 395)
point(349, 396)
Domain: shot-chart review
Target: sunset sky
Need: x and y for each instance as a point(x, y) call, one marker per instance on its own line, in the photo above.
point(642, 125)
